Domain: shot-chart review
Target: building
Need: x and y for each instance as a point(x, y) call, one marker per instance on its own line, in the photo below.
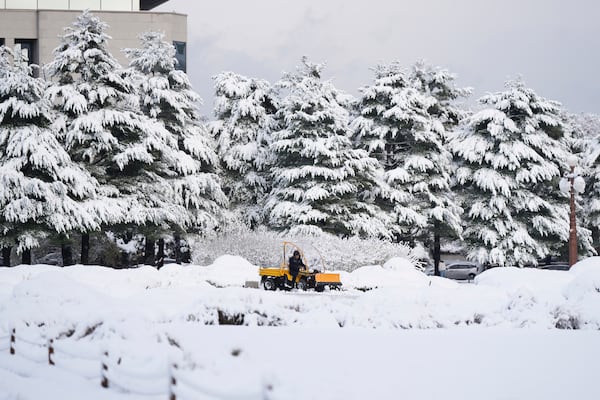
point(38, 24)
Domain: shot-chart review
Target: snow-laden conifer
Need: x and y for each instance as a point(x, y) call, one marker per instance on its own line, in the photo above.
point(41, 189)
point(375, 130)
point(403, 124)
point(443, 211)
point(102, 128)
point(245, 118)
point(585, 141)
point(319, 180)
point(187, 162)
point(511, 157)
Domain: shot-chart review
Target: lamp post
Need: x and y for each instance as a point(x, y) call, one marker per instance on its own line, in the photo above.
point(570, 184)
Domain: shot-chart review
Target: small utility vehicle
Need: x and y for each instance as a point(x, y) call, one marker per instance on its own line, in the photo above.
point(273, 278)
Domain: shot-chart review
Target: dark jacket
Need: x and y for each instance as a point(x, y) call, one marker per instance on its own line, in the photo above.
point(295, 264)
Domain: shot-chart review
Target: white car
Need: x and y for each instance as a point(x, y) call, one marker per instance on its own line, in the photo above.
point(462, 270)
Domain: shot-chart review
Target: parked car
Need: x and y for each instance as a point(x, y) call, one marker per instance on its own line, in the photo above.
point(556, 266)
point(462, 270)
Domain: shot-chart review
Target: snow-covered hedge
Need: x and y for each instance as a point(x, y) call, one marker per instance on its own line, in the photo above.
point(264, 248)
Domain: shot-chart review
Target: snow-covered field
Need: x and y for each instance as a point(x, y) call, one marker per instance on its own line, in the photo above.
point(296, 345)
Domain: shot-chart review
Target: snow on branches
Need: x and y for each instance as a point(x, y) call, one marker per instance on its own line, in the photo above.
point(511, 157)
point(183, 169)
point(318, 177)
point(41, 189)
point(402, 122)
point(245, 111)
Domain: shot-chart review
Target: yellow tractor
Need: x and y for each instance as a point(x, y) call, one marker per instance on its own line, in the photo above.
point(273, 278)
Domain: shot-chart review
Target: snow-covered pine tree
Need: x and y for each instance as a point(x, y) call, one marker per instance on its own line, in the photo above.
point(102, 128)
point(571, 143)
point(444, 213)
point(6, 247)
point(585, 142)
point(318, 178)
point(375, 130)
point(41, 189)
point(187, 163)
point(511, 157)
point(245, 111)
point(402, 124)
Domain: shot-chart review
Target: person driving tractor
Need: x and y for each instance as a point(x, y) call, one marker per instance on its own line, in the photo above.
point(295, 263)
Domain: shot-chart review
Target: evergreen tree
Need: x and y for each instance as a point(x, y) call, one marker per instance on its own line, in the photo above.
point(443, 212)
point(511, 157)
point(245, 118)
point(593, 200)
point(41, 189)
point(319, 179)
point(376, 130)
point(585, 142)
point(183, 178)
point(103, 130)
point(403, 124)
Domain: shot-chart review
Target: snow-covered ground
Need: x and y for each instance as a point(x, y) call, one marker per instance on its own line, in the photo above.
point(297, 345)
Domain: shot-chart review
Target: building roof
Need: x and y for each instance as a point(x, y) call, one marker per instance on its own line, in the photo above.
point(150, 4)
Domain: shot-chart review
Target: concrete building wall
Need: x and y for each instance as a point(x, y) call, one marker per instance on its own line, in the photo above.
point(45, 26)
point(97, 5)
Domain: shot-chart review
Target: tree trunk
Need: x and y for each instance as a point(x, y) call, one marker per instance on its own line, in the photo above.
point(85, 248)
point(160, 256)
point(596, 239)
point(149, 252)
point(67, 254)
point(26, 257)
point(436, 252)
point(177, 239)
point(6, 256)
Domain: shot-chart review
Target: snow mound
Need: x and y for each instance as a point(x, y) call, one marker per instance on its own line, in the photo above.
point(232, 261)
point(530, 278)
point(584, 283)
point(400, 264)
point(79, 297)
point(397, 272)
point(540, 284)
point(586, 265)
point(230, 271)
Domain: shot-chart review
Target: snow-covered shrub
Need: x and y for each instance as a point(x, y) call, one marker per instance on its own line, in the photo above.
point(264, 248)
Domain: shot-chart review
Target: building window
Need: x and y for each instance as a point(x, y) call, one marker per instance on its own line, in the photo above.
point(1, 41)
point(181, 55)
point(30, 47)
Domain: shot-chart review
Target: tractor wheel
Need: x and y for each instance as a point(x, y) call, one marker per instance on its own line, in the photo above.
point(269, 284)
point(319, 288)
point(302, 285)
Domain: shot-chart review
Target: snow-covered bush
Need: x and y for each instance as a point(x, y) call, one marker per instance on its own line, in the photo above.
point(263, 247)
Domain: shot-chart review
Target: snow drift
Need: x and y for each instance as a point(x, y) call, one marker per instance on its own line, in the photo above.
point(395, 295)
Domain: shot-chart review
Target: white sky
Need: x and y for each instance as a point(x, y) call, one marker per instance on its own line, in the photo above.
point(554, 44)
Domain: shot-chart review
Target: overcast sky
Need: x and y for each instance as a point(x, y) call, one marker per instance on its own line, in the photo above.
point(553, 44)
